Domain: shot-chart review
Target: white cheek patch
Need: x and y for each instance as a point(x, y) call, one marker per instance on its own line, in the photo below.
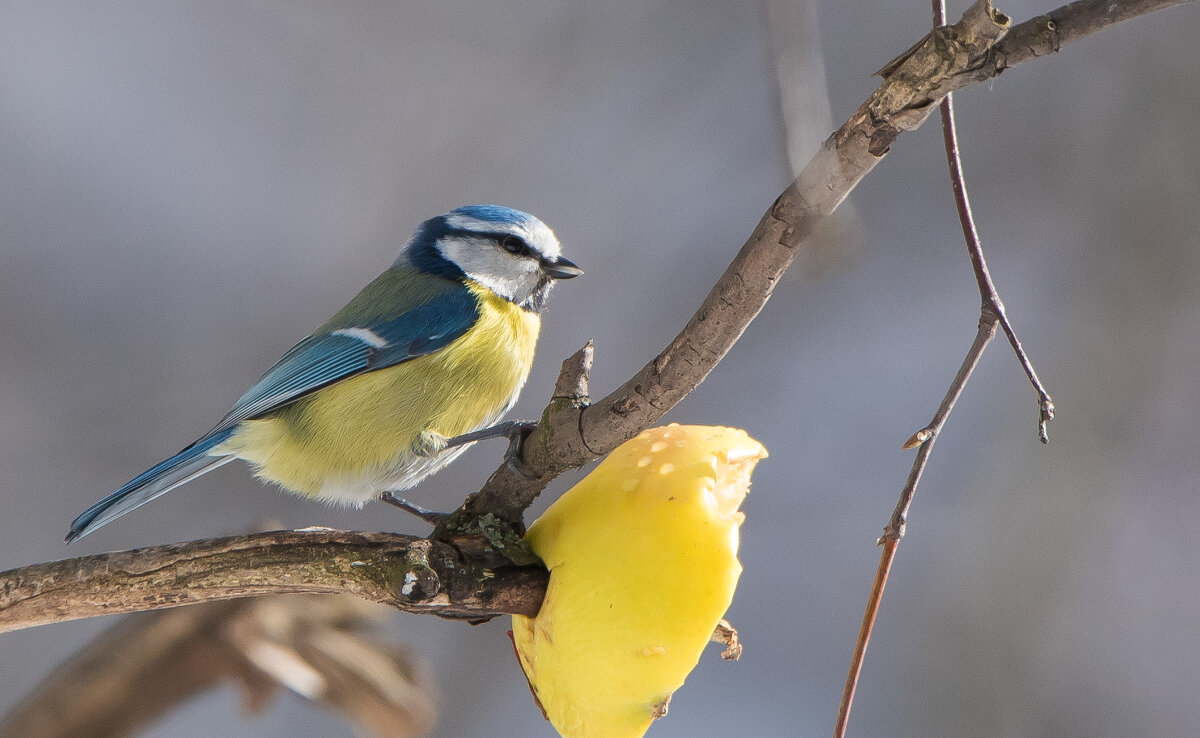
point(512, 277)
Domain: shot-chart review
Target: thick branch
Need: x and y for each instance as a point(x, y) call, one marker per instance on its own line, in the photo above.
point(948, 59)
point(408, 573)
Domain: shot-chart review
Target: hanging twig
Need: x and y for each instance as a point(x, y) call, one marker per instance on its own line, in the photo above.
point(992, 314)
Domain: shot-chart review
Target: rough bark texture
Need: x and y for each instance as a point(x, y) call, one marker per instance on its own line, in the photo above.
point(405, 572)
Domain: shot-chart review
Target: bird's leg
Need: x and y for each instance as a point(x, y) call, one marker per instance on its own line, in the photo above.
point(509, 429)
point(429, 516)
point(516, 431)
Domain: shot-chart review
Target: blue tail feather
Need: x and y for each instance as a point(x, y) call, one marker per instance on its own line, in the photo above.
point(155, 481)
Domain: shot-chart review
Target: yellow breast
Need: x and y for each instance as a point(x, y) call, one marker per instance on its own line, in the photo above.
point(364, 427)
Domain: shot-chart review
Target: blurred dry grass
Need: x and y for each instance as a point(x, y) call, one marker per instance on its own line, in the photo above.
point(326, 649)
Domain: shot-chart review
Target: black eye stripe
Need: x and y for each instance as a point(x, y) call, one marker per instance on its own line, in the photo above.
point(499, 237)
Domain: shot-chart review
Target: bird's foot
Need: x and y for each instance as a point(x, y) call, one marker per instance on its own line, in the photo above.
point(429, 516)
point(514, 455)
point(516, 431)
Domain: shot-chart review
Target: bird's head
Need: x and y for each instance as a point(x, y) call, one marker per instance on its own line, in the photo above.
point(510, 252)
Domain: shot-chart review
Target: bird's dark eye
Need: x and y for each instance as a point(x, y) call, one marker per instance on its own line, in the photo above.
point(514, 245)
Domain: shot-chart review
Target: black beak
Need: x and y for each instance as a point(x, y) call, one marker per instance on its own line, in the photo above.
point(561, 268)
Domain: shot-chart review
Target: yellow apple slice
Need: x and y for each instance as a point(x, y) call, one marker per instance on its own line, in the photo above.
point(643, 564)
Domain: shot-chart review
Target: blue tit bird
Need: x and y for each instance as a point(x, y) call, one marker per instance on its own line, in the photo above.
point(436, 348)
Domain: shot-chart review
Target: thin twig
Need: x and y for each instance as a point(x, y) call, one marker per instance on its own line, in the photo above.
point(992, 304)
point(864, 635)
point(894, 531)
point(991, 315)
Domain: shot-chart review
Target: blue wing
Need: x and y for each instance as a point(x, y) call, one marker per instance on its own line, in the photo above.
point(334, 355)
point(344, 347)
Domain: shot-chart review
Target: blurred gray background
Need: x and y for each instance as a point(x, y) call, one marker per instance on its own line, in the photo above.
point(189, 188)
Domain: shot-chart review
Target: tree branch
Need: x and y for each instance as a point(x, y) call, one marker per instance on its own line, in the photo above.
point(408, 573)
point(430, 577)
point(948, 59)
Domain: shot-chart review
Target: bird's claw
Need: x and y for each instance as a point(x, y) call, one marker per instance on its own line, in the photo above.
point(429, 516)
point(514, 455)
